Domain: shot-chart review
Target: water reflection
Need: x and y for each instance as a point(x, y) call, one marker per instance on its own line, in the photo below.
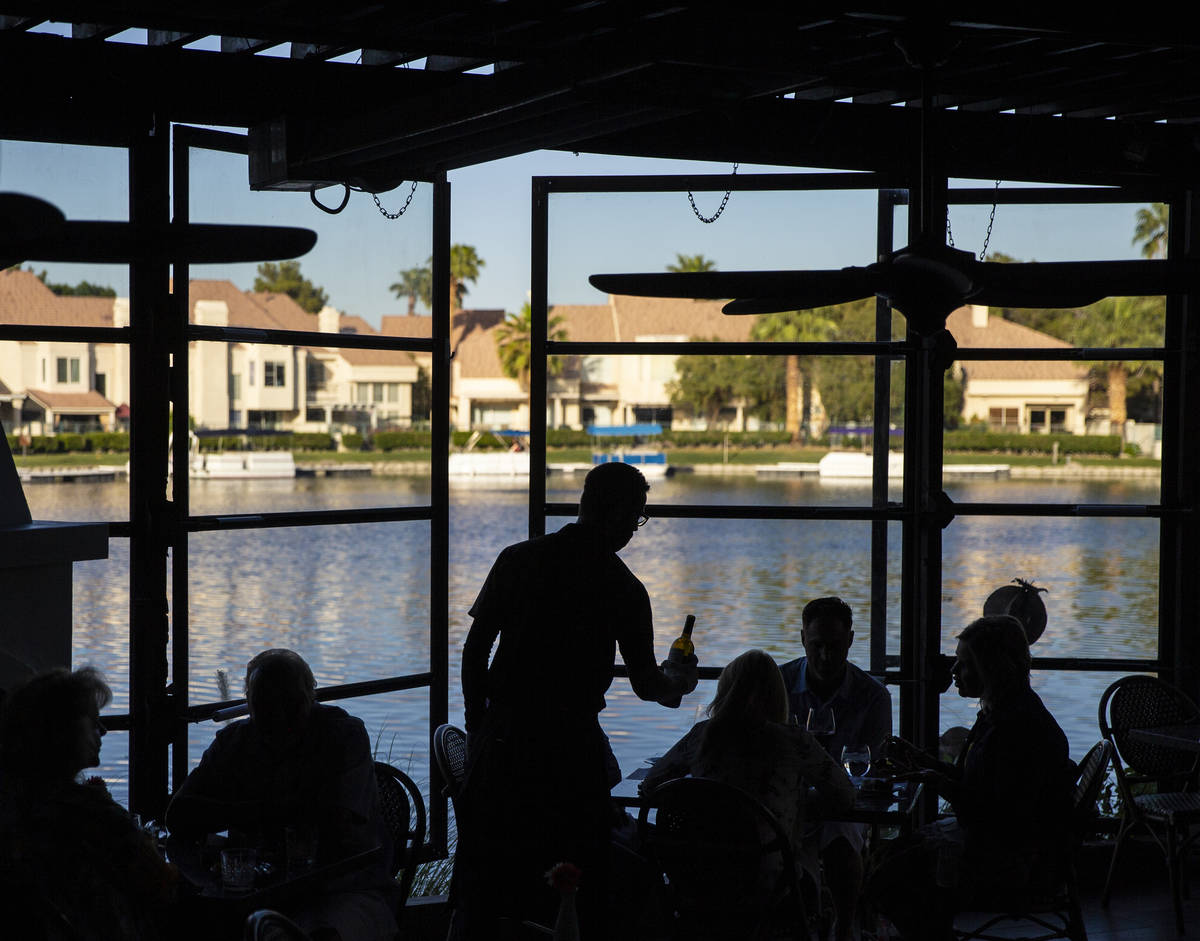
point(354, 599)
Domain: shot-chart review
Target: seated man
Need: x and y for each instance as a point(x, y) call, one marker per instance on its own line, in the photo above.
point(296, 763)
point(824, 681)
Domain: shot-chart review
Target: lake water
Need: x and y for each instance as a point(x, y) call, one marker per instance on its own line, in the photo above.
point(354, 599)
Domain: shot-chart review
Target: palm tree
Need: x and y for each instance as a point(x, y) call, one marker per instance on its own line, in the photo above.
point(1151, 230)
point(464, 266)
point(417, 285)
point(514, 342)
point(686, 263)
point(796, 326)
point(1120, 321)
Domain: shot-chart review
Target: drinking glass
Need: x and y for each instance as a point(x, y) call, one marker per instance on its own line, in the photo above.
point(856, 759)
point(821, 723)
point(237, 868)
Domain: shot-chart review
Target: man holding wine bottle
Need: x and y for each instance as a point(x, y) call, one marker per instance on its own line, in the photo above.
point(843, 707)
point(557, 608)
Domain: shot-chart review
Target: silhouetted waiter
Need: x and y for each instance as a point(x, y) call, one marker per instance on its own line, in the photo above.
point(537, 791)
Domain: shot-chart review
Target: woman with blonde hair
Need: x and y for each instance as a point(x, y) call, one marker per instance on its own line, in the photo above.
point(747, 742)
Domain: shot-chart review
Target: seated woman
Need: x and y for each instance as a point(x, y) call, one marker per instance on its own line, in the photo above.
point(1010, 790)
point(74, 863)
point(747, 742)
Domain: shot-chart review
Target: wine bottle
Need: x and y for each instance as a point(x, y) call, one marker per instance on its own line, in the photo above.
point(682, 647)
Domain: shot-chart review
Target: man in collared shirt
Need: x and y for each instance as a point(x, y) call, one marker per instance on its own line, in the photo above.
point(825, 682)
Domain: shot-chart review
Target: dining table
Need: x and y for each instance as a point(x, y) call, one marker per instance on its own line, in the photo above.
point(276, 885)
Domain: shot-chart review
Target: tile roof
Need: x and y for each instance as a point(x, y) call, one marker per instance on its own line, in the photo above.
point(376, 357)
point(24, 299)
point(659, 316)
point(396, 325)
point(244, 311)
point(352, 323)
point(70, 400)
point(1000, 332)
point(287, 313)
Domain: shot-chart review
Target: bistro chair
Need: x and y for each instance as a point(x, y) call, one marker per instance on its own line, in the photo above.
point(450, 753)
point(1051, 910)
point(1165, 804)
point(403, 810)
point(269, 925)
point(726, 863)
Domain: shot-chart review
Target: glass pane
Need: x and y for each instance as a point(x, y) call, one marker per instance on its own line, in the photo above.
point(758, 231)
point(1101, 577)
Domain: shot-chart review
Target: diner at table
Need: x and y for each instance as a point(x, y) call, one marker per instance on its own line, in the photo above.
point(1010, 789)
point(73, 863)
point(295, 782)
point(748, 742)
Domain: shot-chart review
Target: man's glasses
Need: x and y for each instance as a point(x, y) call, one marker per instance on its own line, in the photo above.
point(642, 520)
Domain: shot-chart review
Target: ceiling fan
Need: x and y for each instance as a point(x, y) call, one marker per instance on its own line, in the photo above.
point(925, 280)
point(32, 229)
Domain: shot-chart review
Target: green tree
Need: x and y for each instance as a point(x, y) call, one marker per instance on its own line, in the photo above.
point(796, 326)
point(1120, 321)
point(285, 278)
point(687, 263)
point(417, 285)
point(707, 384)
point(514, 343)
point(465, 265)
point(82, 289)
point(847, 383)
point(422, 396)
point(1151, 230)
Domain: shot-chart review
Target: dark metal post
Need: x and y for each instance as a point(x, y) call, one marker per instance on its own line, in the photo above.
point(178, 345)
point(149, 515)
point(538, 302)
point(439, 498)
point(881, 438)
point(1179, 591)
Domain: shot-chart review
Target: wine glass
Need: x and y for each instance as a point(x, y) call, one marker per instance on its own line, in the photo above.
point(856, 759)
point(821, 723)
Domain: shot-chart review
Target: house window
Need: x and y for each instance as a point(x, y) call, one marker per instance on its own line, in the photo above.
point(377, 391)
point(1043, 419)
point(235, 418)
point(363, 392)
point(250, 372)
point(101, 383)
point(1003, 419)
point(393, 392)
point(267, 420)
point(235, 386)
point(68, 369)
point(274, 374)
point(316, 375)
point(315, 415)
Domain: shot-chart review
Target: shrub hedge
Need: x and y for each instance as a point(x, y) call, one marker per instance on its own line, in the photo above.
point(101, 441)
point(1108, 445)
point(964, 440)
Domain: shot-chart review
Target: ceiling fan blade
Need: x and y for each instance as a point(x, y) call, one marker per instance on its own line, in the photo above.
point(29, 216)
point(817, 297)
point(1079, 283)
point(718, 285)
point(124, 242)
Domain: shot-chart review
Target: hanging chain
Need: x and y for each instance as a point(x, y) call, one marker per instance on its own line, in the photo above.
point(716, 215)
point(987, 238)
point(402, 210)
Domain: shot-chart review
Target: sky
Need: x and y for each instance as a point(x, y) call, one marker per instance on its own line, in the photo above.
point(359, 253)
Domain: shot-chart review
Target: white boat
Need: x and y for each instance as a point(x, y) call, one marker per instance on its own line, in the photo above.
point(511, 462)
point(488, 464)
point(844, 465)
point(236, 465)
point(244, 465)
